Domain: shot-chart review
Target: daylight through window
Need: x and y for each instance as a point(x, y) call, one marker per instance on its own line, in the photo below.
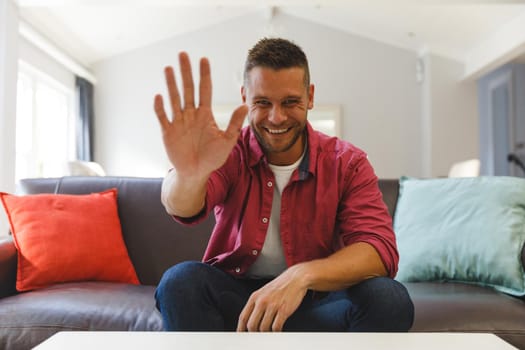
point(44, 125)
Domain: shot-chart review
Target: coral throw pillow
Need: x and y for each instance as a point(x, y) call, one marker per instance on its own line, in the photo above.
point(66, 238)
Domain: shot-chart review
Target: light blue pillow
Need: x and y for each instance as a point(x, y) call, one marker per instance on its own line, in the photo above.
point(468, 230)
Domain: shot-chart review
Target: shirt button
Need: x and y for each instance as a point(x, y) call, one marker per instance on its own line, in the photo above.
point(255, 252)
point(265, 220)
point(237, 269)
point(269, 184)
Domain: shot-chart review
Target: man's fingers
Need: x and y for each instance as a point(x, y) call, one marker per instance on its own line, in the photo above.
point(236, 120)
point(160, 112)
point(278, 322)
point(187, 80)
point(205, 86)
point(173, 91)
point(242, 325)
point(254, 321)
point(267, 321)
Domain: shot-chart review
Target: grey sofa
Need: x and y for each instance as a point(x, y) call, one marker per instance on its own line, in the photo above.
point(156, 242)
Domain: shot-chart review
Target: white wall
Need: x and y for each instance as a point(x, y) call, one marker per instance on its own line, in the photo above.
point(8, 69)
point(32, 55)
point(451, 114)
point(374, 83)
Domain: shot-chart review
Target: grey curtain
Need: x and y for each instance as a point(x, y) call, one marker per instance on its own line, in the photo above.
point(85, 119)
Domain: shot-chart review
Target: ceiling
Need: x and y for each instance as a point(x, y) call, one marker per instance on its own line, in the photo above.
point(93, 30)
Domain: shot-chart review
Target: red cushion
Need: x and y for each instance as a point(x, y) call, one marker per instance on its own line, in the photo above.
point(65, 238)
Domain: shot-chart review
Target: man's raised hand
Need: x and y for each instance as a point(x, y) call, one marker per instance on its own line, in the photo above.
point(194, 144)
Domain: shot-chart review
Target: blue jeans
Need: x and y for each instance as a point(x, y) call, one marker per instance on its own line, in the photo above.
point(194, 296)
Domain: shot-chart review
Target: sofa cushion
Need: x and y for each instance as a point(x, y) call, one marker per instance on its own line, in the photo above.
point(65, 238)
point(462, 229)
point(459, 307)
point(27, 319)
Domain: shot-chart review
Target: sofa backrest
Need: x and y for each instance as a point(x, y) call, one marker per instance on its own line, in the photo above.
point(154, 240)
point(390, 190)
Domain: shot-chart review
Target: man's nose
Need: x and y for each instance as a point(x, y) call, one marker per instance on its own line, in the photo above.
point(276, 115)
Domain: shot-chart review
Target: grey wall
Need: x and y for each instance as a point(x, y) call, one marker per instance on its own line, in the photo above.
point(375, 85)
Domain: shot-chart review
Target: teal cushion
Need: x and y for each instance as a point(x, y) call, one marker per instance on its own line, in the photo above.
point(468, 230)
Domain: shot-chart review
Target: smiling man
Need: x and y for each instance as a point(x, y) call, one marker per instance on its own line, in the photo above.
point(303, 240)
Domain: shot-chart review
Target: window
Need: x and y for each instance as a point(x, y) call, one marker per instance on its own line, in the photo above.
point(44, 125)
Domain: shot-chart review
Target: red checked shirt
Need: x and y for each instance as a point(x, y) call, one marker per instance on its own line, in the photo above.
point(331, 201)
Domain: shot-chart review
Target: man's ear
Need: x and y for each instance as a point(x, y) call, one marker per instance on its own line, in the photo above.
point(311, 90)
point(243, 94)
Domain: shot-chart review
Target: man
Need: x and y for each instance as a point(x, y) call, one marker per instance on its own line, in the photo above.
point(303, 240)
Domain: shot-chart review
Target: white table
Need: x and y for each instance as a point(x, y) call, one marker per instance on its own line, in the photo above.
point(271, 341)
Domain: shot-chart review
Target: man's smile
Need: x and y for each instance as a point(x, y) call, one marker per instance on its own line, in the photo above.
point(277, 131)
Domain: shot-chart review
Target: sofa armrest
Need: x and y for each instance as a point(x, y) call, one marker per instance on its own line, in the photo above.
point(8, 260)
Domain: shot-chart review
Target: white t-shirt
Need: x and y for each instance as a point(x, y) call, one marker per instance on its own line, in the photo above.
point(271, 261)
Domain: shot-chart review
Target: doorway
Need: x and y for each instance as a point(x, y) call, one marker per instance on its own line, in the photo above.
point(501, 102)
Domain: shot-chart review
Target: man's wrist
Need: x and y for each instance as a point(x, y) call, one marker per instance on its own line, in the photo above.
point(183, 196)
point(303, 274)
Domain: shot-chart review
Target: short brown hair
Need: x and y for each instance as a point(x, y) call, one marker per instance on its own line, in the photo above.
point(276, 53)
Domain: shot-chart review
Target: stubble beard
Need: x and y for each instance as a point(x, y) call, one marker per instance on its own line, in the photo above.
point(269, 148)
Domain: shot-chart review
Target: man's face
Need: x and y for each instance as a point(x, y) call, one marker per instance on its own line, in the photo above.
point(278, 103)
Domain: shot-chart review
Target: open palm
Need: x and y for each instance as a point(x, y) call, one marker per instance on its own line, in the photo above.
point(194, 144)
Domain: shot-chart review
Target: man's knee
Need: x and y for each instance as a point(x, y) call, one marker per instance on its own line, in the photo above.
point(181, 278)
point(197, 296)
point(388, 300)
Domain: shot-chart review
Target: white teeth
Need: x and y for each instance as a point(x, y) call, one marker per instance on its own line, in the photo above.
point(277, 131)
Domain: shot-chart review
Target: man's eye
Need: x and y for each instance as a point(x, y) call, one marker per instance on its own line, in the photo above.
point(262, 103)
point(290, 102)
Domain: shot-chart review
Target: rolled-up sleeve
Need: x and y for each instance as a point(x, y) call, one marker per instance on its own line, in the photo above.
point(363, 215)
